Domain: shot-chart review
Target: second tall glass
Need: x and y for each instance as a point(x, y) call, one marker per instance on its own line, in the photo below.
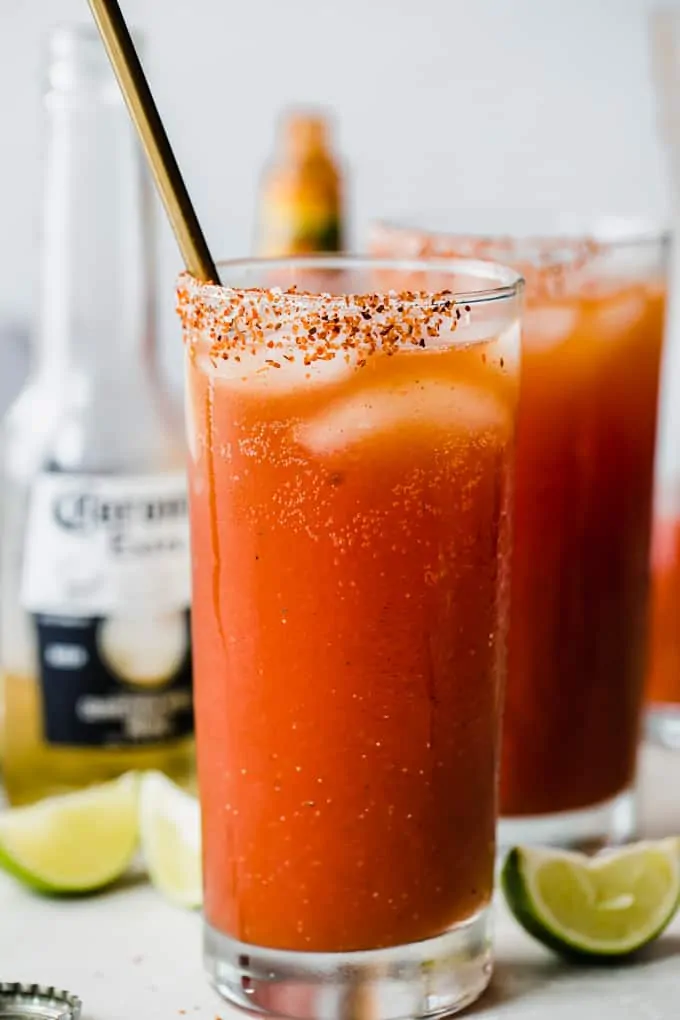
point(585, 456)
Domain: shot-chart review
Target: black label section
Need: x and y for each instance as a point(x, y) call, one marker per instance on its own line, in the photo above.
point(115, 682)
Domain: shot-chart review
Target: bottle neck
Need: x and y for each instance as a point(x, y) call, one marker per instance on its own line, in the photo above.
point(305, 139)
point(96, 297)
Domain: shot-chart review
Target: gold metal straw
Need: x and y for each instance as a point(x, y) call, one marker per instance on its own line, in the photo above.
point(166, 173)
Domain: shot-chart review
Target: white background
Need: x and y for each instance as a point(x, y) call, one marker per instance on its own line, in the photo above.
point(439, 103)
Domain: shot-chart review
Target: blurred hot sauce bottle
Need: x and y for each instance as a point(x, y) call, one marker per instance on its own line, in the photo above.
point(301, 207)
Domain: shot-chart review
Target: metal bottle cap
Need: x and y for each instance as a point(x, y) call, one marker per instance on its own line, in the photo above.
point(43, 1002)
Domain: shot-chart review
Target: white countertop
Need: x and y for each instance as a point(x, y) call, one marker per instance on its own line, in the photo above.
point(131, 956)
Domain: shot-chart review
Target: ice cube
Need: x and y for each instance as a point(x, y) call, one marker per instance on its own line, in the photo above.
point(507, 347)
point(190, 421)
point(619, 314)
point(503, 338)
point(269, 370)
point(425, 406)
point(549, 325)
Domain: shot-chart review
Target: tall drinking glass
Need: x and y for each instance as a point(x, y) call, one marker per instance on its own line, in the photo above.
point(663, 678)
point(585, 457)
point(351, 432)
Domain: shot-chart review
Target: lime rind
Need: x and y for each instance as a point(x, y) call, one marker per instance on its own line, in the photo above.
point(72, 844)
point(13, 868)
point(524, 872)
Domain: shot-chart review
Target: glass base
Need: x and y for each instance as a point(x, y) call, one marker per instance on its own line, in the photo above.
point(426, 979)
point(589, 829)
point(662, 726)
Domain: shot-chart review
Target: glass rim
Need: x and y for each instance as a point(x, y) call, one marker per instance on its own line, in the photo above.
point(509, 283)
point(556, 241)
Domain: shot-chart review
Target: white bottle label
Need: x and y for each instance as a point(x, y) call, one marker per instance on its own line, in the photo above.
point(99, 544)
point(106, 580)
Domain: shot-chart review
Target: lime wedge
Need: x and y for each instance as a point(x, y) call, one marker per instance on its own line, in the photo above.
point(73, 843)
point(604, 906)
point(170, 826)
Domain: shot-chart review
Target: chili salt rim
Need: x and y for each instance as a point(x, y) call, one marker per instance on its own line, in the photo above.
point(576, 234)
point(318, 325)
point(546, 260)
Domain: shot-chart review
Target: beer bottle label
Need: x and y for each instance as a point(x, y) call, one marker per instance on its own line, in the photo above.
point(106, 580)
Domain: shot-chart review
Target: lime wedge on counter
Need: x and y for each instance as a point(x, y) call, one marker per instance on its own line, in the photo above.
point(604, 906)
point(73, 843)
point(170, 826)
